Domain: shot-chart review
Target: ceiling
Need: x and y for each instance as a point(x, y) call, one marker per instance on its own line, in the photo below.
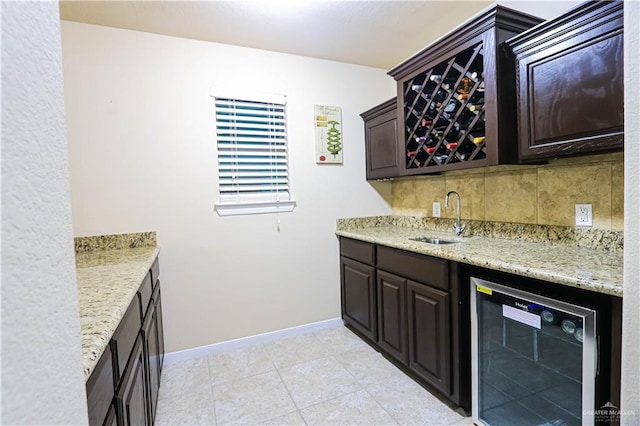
point(373, 33)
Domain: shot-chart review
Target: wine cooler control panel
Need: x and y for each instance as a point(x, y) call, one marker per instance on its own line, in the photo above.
point(444, 112)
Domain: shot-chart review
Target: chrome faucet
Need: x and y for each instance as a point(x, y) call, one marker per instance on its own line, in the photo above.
point(458, 227)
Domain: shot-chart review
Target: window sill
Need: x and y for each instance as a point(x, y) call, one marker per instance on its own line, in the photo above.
point(262, 207)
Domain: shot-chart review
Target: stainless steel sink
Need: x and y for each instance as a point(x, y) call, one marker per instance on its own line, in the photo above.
point(433, 240)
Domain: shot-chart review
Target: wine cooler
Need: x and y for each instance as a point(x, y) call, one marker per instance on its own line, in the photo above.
point(534, 359)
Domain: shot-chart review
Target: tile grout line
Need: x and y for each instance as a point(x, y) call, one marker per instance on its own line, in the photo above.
point(284, 384)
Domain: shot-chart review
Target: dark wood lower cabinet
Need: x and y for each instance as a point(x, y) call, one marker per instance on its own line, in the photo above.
point(100, 389)
point(112, 416)
point(409, 306)
point(429, 335)
point(158, 305)
point(123, 388)
point(392, 315)
point(150, 329)
point(132, 395)
point(359, 296)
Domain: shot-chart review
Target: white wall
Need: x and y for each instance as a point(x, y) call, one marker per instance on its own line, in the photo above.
point(545, 9)
point(142, 157)
point(42, 380)
point(631, 314)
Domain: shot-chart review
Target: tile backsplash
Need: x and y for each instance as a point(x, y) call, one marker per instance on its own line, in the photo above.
point(540, 194)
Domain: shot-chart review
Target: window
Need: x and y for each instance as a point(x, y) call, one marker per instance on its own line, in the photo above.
point(253, 168)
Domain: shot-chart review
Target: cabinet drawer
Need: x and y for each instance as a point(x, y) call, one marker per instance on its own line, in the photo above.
point(100, 389)
point(358, 250)
point(418, 267)
point(144, 293)
point(125, 335)
point(155, 272)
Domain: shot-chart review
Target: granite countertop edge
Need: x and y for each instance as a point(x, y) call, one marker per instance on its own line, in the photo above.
point(108, 281)
point(600, 271)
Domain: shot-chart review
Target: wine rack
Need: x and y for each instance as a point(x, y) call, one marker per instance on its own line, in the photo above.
point(444, 112)
point(449, 113)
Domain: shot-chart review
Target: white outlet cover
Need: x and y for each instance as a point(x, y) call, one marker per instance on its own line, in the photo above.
point(436, 209)
point(584, 215)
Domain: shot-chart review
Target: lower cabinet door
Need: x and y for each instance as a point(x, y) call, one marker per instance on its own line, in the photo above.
point(429, 338)
point(158, 300)
point(100, 389)
point(151, 346)
point(358, 288)
point(392, 315)
point(132, 395)
point(112, 416)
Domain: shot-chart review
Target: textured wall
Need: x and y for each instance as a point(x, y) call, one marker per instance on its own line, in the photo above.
point(142, 157)
point(544, 195)
point(631, 301)
point(42, 381)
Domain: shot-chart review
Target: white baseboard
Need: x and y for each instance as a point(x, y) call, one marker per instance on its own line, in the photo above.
point(173, 357)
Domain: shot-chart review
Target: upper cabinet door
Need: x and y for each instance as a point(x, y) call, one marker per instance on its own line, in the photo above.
point(570, 83)
point(380, 137)
point(456, 97)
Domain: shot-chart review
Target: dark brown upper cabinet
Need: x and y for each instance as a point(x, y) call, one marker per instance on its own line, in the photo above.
point(569, 81)
point(455, 104)
point(381, 140)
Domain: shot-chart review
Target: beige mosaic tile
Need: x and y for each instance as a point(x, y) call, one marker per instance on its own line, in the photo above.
point(617, 196)
point(429, 191)
point(582, 159)
point(561, 188)
point(471, 190)
point(409, 211)
point(510, 196)
point(404, 194)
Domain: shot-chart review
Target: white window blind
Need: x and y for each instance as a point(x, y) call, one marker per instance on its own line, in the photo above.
point(253, 169)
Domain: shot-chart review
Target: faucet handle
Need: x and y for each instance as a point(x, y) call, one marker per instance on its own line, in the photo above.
point(459, 229)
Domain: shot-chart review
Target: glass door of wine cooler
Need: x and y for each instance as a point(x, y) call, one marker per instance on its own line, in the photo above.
point(533, 358)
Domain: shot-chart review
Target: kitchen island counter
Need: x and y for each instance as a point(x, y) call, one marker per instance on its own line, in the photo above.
point(581, 267)
point(107, 283)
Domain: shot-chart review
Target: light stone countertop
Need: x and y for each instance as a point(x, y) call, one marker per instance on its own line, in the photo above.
point(107, 283)
point(580, 267)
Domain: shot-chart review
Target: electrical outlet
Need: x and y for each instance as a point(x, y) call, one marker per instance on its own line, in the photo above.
point(436, 209)
point(584, 215)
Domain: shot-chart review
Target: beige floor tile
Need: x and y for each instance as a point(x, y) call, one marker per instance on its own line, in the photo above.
point(252, 400)
point(238, 364)
point(186, 409)
point(318, 380)
point(368, 366)
point(295, 350)
point(184, 377)
point(338, 339)
point(357, 408)
point(410, 404)
point(292, 419)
